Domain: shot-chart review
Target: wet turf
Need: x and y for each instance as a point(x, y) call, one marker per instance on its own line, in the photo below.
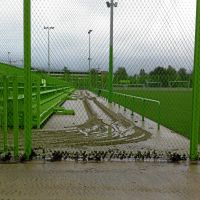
point(176, 107)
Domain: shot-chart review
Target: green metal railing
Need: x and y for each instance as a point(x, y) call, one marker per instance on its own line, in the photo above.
point(12, 105)
point(128, 101)
point(39, 96)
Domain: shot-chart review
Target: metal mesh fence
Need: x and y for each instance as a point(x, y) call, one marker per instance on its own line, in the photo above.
point(73, 109)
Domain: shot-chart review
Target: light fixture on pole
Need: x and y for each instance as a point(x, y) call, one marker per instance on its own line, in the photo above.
point(48, 29)
point(111, 5)
point(89, 58)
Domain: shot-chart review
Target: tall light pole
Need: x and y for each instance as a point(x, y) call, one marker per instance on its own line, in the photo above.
point(111, 5)
point(48, 29)
point(27, 80)
point(89, 58)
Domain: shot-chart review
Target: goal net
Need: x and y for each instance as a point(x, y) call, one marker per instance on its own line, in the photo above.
point(176, 84)
point(153, 84)
point(129, 85)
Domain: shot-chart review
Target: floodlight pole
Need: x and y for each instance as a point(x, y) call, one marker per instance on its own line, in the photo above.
point(196, 90)
point(89, 58)
point(111, 5)
point(48, 29)
point(27, 80)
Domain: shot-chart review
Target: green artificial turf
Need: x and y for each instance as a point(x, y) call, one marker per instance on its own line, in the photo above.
point(11, 70)
point(176, 107)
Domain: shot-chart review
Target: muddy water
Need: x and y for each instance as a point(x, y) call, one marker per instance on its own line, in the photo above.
point(90, 130)
point(59, 122)
point(93, 124)
point(95, 181)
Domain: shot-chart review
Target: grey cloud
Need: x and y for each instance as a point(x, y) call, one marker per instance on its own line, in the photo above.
point(146, 33)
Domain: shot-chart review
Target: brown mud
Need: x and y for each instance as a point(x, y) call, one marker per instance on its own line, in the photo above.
point(100, 126)
point(95, 131)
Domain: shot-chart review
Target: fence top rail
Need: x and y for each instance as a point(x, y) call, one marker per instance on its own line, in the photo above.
point(21, 96)
point(45, 87)
point(143, 98)
point(19, 78)
point(135, 97)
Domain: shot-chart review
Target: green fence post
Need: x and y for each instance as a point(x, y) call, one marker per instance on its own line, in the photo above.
point(159, 116)
point(114, 100)
point(124, 102)
point(27, 79)
point(5, 114)
point(143, 109)
point(119, 100)
point(132, 113)
point(15, 118)
point(38, 103)
point(196, 93)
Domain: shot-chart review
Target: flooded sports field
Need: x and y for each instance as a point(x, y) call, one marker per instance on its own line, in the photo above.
point(104, 152)
point(100, 126)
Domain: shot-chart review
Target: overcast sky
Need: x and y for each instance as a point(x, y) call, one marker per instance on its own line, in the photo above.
point(147, 33)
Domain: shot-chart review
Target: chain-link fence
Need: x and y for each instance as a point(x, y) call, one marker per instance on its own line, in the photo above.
point(79, 95)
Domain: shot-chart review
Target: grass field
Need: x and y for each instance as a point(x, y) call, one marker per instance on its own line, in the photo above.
point(176, 106)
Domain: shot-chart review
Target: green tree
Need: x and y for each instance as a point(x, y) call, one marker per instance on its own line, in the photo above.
point(142, 72)
point(171, 73)
point(159, 74)
point(142, 77)
point(182, 74)
point(66, 74)
point(120, 74)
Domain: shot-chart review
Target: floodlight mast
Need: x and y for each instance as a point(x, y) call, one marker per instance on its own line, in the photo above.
point(49, 28)
point(111, 5)
point(89, 58)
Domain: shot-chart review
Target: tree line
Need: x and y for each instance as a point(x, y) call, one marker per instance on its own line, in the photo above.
point(159, 74)
point(163, 75)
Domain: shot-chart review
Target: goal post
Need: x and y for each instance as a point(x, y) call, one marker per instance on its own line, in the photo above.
point(153, 84)
point(129, 86)
point(176, 84)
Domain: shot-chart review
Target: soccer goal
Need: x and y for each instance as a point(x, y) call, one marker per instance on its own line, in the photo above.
point(153, 84)
point(179, 84)
point(129, 85)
